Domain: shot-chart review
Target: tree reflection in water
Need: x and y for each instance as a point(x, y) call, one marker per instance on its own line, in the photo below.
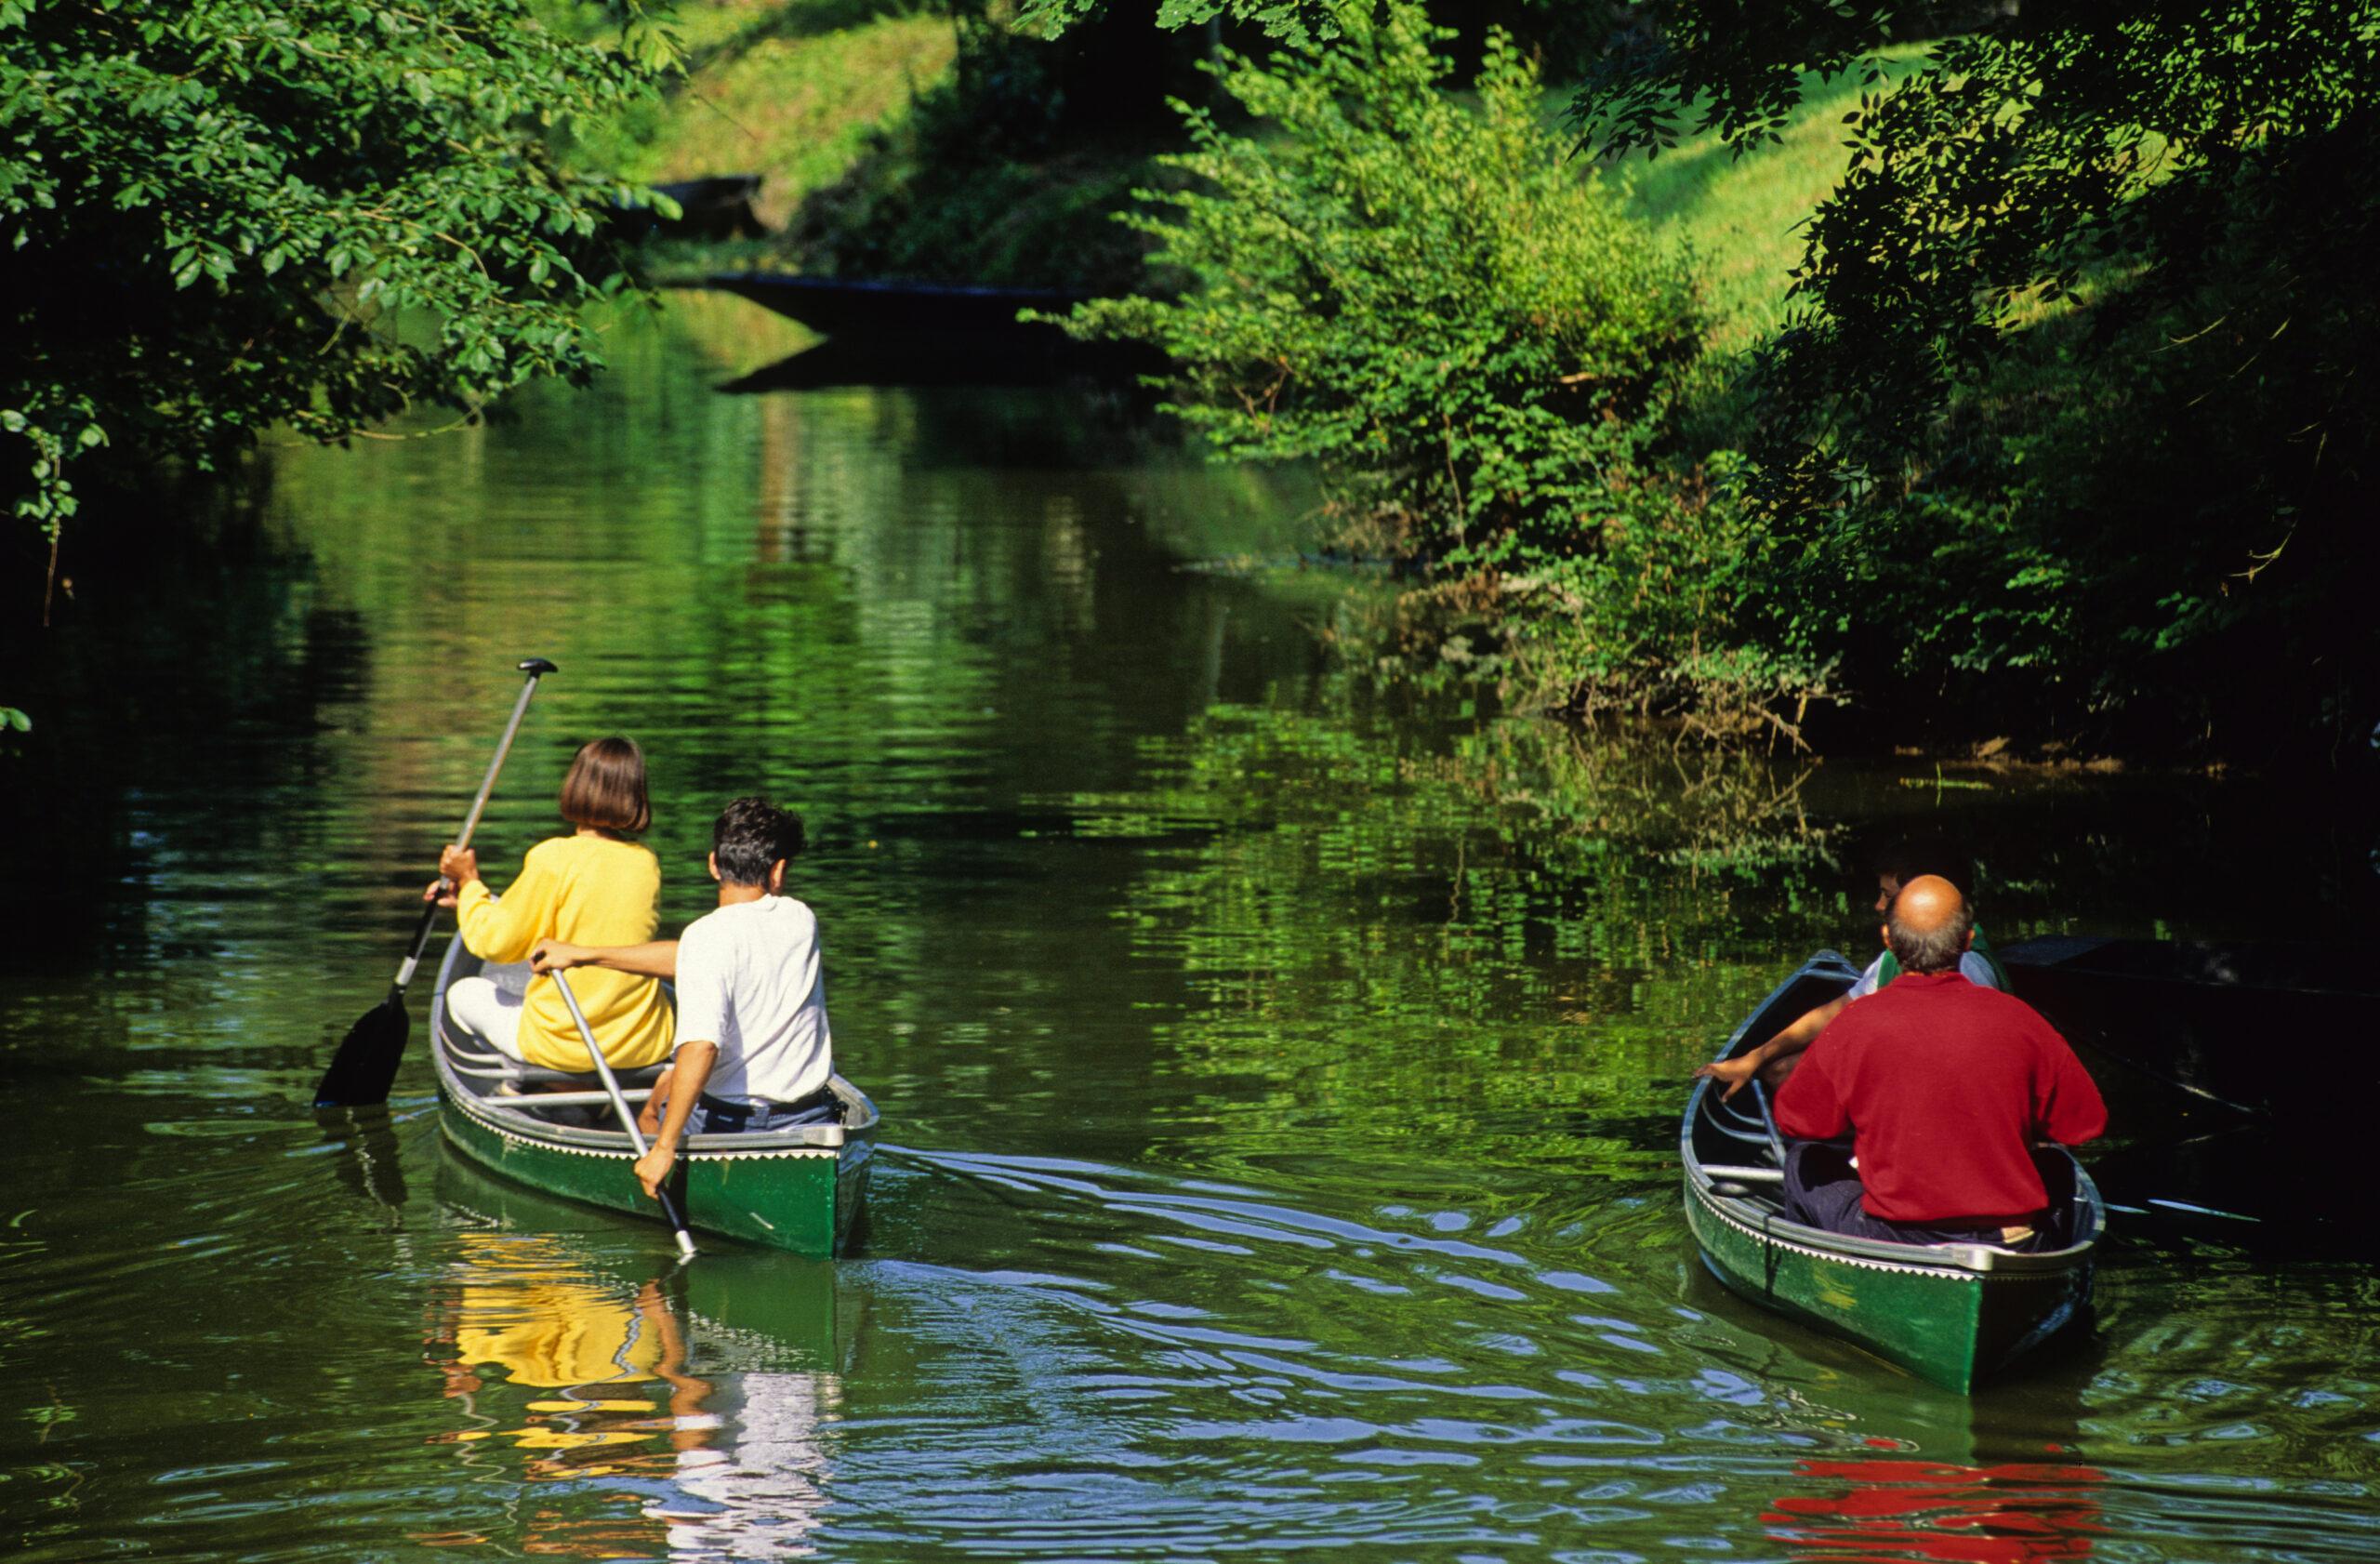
point(1930, 1511)
point(719, 1464)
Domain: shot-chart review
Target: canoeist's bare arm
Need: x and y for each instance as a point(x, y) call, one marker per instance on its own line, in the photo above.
point(655, 958)
point(1784, 1045)
point(689, 1073)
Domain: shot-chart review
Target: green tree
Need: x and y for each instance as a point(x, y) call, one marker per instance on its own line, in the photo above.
point(1428, 297)
point(2078, 377)
point(216, 215)
point(1425, 296)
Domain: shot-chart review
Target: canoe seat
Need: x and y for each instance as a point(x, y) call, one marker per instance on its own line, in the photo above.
point(475, 1059)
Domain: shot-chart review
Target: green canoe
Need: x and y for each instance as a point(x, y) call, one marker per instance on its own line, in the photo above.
point(1957, 1315)
point(797, 1190)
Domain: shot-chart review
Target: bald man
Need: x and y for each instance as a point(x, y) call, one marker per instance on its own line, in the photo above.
point(1944, 1086)
point(1773, 1061)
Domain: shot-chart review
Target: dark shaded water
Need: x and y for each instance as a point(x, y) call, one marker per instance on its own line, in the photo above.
point(1281, 1067)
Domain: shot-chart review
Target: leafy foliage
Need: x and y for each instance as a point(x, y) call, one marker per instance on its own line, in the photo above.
point(1298, 22)
point(1423, 297)
point(216, 214)
point(2075, 378)
point(1475, 342)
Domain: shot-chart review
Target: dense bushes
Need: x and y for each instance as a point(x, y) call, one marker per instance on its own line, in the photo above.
point(1463, 328)
point(2073, 421)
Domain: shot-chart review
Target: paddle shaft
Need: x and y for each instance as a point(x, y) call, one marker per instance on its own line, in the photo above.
point(620, 1107)
point(535, 667)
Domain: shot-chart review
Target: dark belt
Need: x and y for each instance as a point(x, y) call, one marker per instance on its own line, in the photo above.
point(723, 1118)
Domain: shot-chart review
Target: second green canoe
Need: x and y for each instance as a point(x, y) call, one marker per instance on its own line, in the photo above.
point(1957, 1315)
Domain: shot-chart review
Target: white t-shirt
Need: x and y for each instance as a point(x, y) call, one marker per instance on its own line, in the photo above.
point(1971, 967)
point(748, 981)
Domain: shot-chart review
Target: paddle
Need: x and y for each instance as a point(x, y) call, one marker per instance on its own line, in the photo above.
point(620, 1107)
point(365, 1065)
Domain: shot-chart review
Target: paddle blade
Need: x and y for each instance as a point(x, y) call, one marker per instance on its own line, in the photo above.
point(365, 1065)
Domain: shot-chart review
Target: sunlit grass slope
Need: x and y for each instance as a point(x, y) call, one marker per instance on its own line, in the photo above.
point(787, 89)
point(1742, 216)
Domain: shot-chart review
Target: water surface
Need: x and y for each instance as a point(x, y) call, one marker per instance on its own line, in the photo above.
point(1281, 1062)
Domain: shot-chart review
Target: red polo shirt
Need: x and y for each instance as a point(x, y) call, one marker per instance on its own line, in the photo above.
point(1945, 1086)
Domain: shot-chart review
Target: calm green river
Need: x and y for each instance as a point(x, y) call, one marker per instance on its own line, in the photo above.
point(1281, 1064)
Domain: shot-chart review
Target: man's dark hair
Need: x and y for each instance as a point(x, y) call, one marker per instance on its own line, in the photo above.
point(1929, 950)
point(750, 835)
point(1908, 859)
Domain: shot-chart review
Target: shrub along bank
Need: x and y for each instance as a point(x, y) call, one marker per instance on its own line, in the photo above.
point(1551, 393)
point(2048, 440)
point(1483, 349)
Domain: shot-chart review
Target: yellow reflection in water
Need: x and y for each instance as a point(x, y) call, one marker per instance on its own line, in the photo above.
point(525, 1307)
point(740, 1452)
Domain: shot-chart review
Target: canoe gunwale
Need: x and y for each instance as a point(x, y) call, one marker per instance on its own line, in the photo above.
point(802, 1140)
point(1952, 1262)
point(861, 1117)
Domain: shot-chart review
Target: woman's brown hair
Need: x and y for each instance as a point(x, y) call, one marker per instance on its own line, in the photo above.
point(605, 788)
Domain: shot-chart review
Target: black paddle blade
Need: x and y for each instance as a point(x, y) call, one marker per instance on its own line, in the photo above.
point(365, 1065)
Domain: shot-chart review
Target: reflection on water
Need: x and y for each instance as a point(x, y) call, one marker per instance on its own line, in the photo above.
point(720, 1461)
point(1924, 1511)
point(1281, 1064)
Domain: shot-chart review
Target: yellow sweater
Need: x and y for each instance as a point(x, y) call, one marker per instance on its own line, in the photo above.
point(588, 890)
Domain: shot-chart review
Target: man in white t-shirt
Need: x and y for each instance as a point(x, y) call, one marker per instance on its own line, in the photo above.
point(754, 1049)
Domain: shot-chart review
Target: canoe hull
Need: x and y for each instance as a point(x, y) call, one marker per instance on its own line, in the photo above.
point(1957, 1328)
point(2203, 1016)
point(1956, 1315)
point(804, 1200)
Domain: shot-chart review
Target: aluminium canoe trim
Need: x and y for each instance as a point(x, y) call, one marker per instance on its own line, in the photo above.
point(798, 1190)
point(1956, 1315)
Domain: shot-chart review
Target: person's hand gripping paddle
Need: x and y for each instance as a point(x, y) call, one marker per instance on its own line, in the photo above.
point(620, 1107)
point(365, 1065)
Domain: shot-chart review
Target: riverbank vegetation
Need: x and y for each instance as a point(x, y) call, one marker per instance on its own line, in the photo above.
point(2000, 386)
point(2061, 434)
point(2073, 377)
point(1480, 348)
point(213, 217)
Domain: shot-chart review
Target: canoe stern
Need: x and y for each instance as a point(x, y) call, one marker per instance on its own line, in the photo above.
point(1957, 1320)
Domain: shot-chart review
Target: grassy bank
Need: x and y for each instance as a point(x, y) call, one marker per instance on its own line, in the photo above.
point(788, 89)
point(1739, 217)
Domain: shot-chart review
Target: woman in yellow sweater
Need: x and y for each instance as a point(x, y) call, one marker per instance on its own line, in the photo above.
point(594, 887)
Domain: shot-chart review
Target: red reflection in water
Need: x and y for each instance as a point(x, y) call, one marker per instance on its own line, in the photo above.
point(1923, 1510)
